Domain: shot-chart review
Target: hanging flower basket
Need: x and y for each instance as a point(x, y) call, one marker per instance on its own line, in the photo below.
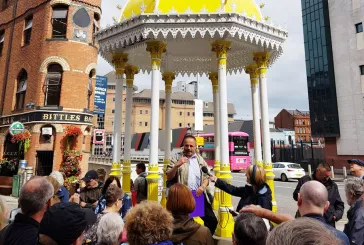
point(23, 139)
point(71, 133)
point(70, 166)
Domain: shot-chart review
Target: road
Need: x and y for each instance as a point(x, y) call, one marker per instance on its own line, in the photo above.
point(283, 194)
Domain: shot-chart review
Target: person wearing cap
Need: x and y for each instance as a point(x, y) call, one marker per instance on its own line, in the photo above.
point(64, 224)
point(357, 168)
point(90, 194)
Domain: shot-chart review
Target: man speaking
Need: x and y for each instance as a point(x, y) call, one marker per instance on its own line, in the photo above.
point(187, 170)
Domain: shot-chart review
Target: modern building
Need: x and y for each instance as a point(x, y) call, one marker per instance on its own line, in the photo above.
point(183, 86)
point(296, 120)
point(334, 48)
point(183, 113)
point(47, 68)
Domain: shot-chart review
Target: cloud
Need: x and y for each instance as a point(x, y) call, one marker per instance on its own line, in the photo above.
point(287, 86)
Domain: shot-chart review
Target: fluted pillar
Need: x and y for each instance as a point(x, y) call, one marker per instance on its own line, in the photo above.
point(156, 49)
point(226, 221)
point(254, 82)
point(214, 78)
point(168, 78)
point(262, 60)
point(130, 71)
point(119, 62)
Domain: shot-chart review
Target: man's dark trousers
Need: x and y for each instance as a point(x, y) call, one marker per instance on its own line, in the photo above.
point(210, 220)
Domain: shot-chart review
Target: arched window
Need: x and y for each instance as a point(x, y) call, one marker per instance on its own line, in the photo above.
point(21, 89)
point(89, 88)
point(52, 85)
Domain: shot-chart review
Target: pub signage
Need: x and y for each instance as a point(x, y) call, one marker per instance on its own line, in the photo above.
point(47, 117)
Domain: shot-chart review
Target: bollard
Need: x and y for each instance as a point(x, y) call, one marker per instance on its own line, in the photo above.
point(344, 172)
point(309, 170)
point(332, 172)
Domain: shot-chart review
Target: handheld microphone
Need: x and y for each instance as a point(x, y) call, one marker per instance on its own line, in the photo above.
point(206, 171)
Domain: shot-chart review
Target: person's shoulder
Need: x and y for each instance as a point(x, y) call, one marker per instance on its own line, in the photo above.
point(341, 235)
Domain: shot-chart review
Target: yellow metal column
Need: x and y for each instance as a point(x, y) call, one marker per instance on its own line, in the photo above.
point(262, 60)
point(168, 78)
point(156, 49)
point(226, 221)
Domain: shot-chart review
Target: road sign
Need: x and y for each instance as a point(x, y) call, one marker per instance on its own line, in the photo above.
point(200, 141)
point(16, 128)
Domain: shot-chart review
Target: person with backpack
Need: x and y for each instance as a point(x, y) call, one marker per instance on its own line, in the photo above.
point(140, 183)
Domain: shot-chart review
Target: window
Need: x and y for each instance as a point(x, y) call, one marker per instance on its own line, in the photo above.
point(359, 27)
point(28, 30)
point(53, 85)
point(146, 124)
point(180, 125)
point(95, 27)
point(303, 131)
point(5, 4)
point(141, 112)
point(21, 90)
point(2, 39)
point(112, 111)
point(180, 113)
point(89, 89)
point(146, 112)
point(59, 21)
point(108, 139)
point(188, 113)
point(100, 121)
point(361, 67)
point(140, 124)
point(113, 99)
point(188, 125)
point(112, 87)
point(193, 114)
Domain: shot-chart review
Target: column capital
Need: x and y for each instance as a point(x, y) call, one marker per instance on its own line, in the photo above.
point(253, 72)
point(168, 78)
point(130, 72)
point(119, 61)
point(262, 59)
point(214, 78)
point(220, 47)
point(156, 49)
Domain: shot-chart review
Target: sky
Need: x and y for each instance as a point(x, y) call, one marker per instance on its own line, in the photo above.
point(287, 86)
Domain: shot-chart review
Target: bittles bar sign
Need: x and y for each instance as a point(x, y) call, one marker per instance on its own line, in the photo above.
point(47, 116)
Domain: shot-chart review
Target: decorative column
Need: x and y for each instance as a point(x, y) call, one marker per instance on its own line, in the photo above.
point(156, 49)
point(214, 78)
point(119, 62)
point(262, 60)
point(226, 221)
point(168, 78)
point(254, 81)
point(130, 71)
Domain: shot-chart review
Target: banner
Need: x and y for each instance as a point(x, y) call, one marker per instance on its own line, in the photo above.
point(99, 136)
point(100, 95)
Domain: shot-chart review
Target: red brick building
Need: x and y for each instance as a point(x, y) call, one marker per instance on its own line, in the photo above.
point(299, 121)
point(47, 75)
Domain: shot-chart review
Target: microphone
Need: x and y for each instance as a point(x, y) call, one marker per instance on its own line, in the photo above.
point(206, 171)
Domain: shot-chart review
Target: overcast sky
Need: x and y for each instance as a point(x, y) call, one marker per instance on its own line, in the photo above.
point(287, 87)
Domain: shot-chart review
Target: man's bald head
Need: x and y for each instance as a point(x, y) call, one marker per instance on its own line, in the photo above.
point(34, 195)
point(314, 194)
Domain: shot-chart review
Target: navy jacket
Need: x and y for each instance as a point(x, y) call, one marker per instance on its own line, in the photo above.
point(336, 207)
point(63, 194)
point(263, 197)
point(339, 234)
point(354, 229)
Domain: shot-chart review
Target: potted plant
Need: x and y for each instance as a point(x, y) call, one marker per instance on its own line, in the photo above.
point(8, 167)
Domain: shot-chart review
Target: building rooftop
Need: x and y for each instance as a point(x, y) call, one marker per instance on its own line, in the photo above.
point(209, 108)
point(147, 93)
point(298, 112)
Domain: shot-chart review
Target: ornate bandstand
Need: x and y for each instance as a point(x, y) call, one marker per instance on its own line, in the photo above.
point(216, 38)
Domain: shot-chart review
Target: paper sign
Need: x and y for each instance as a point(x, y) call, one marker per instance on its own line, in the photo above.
point(200, 206)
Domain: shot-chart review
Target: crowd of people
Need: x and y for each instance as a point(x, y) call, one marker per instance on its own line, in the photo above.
point(101, 213)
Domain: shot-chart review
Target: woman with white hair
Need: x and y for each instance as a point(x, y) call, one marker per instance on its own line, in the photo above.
point(110, 229)
point(62, 193)
point(354, 229)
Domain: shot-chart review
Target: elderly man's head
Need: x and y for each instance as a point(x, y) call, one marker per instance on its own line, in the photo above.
point(354, 190)
point(313, 198)
point(110, 229)
point(35, 197)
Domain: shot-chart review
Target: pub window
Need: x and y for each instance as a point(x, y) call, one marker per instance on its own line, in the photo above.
point(2, 39)
point(89, 88)
point(21, 90)
point(52, 85)
point(359, 27)
point(95, 27)
point(28, 30)
point(361, 67)
point(59, 21)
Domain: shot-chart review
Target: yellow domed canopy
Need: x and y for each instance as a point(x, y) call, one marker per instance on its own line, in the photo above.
point(137, 7)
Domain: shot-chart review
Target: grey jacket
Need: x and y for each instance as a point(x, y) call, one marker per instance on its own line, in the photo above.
point(354, 229)
point(141, 187)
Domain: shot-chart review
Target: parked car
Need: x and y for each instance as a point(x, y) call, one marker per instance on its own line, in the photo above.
point(287, 170)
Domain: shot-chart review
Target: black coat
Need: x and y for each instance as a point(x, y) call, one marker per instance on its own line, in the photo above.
point(354, 229)
point(263, 197)
point(336, 207)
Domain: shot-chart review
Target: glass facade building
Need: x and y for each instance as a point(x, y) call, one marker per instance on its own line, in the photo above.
point(320, 69)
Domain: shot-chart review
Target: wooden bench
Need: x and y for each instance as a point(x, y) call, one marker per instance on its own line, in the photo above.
point(6, 185)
